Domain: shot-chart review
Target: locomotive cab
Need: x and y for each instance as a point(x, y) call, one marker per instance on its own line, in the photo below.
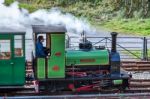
point(53, 65)
point(12, 57)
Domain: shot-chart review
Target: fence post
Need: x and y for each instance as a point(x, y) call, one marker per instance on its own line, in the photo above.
point(106, 42)
point(144, 51)
point(68, 43)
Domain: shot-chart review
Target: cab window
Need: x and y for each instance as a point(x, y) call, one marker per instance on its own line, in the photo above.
point(18, 45)
point(5, 49)
point(45, 45)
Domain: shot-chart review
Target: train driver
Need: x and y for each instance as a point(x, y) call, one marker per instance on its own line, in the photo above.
point(41, 51)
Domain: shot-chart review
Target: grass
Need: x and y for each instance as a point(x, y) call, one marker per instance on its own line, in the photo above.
point(129, 26)
point(149, 53)
point(137, 54)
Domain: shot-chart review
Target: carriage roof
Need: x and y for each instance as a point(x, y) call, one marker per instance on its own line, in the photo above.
point(7, 30)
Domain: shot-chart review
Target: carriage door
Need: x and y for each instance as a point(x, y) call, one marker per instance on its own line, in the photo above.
point(6, 63)
point(19, 60)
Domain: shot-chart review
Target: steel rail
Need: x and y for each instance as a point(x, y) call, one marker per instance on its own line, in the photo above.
point(78, 96)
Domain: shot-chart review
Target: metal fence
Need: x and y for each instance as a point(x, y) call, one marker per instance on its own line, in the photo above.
point(148, 47)
point(130, 48)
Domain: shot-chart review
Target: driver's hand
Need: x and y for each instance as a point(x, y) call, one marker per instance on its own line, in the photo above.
point(49, 54)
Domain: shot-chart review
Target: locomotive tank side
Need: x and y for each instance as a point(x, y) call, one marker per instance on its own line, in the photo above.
point(83, 58)
point(86, 54)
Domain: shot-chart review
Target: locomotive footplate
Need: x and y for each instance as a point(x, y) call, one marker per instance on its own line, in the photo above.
point(87, 83)
point(85, 78)
point(12, 87)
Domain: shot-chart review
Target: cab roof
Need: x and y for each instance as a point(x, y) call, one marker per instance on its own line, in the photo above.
point(49, 29)
point(7, 30)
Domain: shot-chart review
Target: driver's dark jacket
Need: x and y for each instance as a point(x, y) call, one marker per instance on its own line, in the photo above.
point(40, 50)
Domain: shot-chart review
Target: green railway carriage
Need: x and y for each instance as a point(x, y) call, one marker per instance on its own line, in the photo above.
point(12, 57)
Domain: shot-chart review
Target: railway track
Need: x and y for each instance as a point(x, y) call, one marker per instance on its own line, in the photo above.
point(136, 66)
point(139, 86)
point(140, 71)
point(86, 96)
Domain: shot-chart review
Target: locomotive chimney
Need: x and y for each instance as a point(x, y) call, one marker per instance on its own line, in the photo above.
point(113, 44)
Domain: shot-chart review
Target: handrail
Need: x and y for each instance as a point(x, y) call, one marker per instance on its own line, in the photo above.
point(99, 41)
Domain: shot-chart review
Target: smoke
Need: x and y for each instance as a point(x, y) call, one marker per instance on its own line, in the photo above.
point(2, 1)
point(56, 17)
point(13, 16)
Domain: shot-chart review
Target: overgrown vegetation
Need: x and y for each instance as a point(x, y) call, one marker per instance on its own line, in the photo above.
point(8, 2)
point(137, 54)
point(130, 26)
point(127, 16)
point(149, 53)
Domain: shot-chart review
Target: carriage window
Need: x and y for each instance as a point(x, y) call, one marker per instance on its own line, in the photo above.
point(5, 49)
point(18, 46)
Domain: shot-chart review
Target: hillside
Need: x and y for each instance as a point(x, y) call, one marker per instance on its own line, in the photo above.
point(126, 16)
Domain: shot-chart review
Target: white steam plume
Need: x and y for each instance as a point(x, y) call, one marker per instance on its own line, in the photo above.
point(11, 16)
point(55, 17)
point(1, 1)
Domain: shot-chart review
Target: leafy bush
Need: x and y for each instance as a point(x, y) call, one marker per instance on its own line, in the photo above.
point(31, 8)
point(8, 2)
